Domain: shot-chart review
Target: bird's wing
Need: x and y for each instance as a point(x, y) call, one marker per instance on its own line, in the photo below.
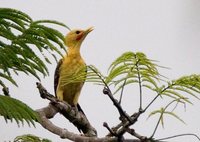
point(78, 106)
point(57, 75)
point(56, 79)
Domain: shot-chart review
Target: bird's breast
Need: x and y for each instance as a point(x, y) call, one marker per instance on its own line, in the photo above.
point(72, 70)
point(72, 76)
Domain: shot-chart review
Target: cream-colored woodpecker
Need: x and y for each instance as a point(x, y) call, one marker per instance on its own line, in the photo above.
point(69, 67)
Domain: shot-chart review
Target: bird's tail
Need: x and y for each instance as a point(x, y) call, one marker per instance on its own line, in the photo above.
point(80, 109)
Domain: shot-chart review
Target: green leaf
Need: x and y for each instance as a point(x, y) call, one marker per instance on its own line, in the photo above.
point(133, 66)
point(163, 112)
point(7, 77)
point(11, 25)
point(51, 22)
point(186, 85)
point(30, 138)
point(15, 13)
point(130, 81)
point(174, 115)
point(19, 36)
point(11, 108)
point(94, 75)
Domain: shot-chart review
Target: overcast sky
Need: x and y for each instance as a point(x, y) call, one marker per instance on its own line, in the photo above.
point(165, 30)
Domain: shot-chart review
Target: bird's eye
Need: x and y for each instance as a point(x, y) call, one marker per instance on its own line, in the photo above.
point(77, 32)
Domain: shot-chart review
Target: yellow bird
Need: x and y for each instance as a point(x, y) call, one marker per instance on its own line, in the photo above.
point(69, 67)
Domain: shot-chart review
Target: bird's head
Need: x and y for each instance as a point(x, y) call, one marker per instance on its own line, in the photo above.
point(75, 37)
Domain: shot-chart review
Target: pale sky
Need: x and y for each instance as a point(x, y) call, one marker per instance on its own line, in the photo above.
point(167, 31)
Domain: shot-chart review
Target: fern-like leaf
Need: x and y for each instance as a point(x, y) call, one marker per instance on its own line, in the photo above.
point(19, 37)
point(95, 76)
point(85, 74)
point(13, 109)
point(30, 138)
point(133, 68)
point(19, 34)
point(178, 89)
point(162, 112)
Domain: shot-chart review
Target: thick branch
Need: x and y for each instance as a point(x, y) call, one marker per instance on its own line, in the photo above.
point(75, 117)
point(50, 111)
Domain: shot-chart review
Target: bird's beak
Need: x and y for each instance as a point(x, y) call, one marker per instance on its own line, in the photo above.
point(87, 31)
point(84, 34)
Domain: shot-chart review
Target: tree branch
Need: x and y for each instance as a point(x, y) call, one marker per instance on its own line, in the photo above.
point(132, 132)
point(122, 113)
point(74, 116)
point(121, 128)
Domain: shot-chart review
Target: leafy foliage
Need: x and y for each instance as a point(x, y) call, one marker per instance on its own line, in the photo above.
point(176, 89)
point(136, 68)
point(30, 138)
point(14, 109)
point(95, 76)
point(133, 68)
point(19, 36)
point(87, 73)
point(20, 39)
point(163, 111)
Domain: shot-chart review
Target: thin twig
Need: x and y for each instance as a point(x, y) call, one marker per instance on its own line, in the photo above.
point(153, 100)
point(140, 83)
point(122, 91)
point(122, 113)
point(180, 135)
point(161, 117)
point(109, 129)
point(126, 124)
point(108, 92)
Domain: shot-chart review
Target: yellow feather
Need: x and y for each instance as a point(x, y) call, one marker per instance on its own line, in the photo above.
point(72, 67)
